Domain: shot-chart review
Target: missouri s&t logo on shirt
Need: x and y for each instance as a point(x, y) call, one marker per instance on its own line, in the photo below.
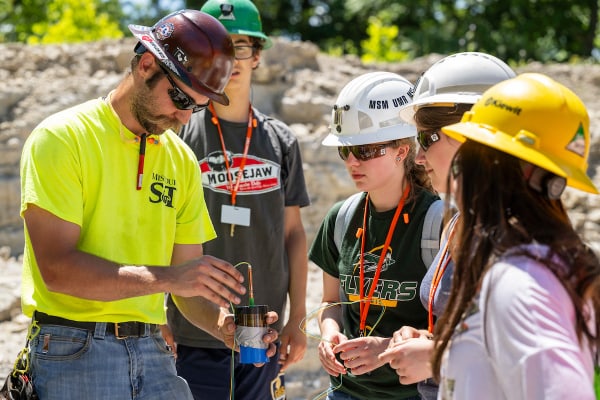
point(162, 190)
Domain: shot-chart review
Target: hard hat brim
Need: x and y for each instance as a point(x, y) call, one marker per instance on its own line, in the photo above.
point(267, 42)
point(407, 112)
point(145, 36)
point(499, 140)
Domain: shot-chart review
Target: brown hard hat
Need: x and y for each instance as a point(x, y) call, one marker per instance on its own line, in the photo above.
point(195, 47)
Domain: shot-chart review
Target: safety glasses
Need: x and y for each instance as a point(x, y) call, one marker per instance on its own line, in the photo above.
point(244, 52)
point(455, 168)
point(428, 137)
point(180, 99)
point(364, 152)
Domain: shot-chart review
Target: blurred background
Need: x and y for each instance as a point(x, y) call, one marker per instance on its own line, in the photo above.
point(517, 31)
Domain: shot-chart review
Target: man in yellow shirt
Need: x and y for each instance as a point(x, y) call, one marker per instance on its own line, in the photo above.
point(111, 197)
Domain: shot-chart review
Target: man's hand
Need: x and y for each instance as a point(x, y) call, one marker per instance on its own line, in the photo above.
point(227, 331)
point(214, 279)
point(293, 344)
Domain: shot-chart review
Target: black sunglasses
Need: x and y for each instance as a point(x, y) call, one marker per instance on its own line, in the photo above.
point(428, 137)
point(364, 152)
point(180, 99)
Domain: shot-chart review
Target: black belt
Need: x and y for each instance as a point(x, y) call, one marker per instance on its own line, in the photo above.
point(121, 330)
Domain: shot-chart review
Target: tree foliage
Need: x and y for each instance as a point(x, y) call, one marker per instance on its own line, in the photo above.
point(380, 30)
point(381, 45)
point(517, 30)
point(59, 21)
point(73, 21)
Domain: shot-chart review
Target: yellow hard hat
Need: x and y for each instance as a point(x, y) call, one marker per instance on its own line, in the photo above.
point(535, 119)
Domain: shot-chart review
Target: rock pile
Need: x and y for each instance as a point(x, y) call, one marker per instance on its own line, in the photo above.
point(295, 82)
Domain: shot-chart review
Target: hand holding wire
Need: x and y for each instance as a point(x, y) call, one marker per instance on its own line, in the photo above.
point(327, 356)
point(360, 355)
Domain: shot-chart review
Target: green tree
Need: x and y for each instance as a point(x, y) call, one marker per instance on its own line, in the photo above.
point(544, 30)
point(17, 17)
point(58, 21)
point(381, 44)
point(74, 21)
point(327, 23)
point(517, 30)
point(514, 30)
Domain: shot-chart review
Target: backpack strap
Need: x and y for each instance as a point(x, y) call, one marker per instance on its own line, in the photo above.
point(343, 218)
point(432, 225)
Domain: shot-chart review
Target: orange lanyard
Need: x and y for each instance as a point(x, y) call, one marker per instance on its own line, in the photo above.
point(251, 124)
point(440, 269)
point(366, 303)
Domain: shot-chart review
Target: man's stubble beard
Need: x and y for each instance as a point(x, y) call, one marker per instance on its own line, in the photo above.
point(143, 105)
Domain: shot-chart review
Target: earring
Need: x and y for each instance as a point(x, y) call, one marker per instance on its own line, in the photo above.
point(398, 158)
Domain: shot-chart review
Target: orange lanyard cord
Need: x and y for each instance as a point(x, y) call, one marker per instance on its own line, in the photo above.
point(251, 124)
point(364, 305)
point(438, 274)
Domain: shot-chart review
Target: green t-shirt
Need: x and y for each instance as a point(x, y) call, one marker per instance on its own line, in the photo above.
point(397, 287)
point(81, 165)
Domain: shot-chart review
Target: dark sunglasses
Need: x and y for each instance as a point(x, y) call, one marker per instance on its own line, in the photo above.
point(428, 137)
point(180, 99)
point(363, 152)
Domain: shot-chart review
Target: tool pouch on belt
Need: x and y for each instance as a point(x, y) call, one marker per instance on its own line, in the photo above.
point(18, 384)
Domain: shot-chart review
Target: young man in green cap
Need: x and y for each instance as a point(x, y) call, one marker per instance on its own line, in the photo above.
point(254, 188)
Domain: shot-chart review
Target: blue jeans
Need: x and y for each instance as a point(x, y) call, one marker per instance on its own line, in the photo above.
point(428, 389)
point(208, 373)
point(339, 395)
point(75, 364)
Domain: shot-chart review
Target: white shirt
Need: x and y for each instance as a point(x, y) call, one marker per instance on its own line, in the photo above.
point(532, 347)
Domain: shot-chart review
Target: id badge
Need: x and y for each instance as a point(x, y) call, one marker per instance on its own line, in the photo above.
point(235, 215)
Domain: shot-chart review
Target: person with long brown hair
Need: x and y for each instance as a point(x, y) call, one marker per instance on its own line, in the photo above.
point(443, 94)
point(520, 321)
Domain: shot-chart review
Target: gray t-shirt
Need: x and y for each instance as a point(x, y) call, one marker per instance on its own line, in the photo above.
point(442, 293)
point(272, 180)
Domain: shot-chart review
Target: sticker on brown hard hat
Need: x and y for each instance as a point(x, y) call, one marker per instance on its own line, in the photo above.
point(164, 31)
point(195, 47)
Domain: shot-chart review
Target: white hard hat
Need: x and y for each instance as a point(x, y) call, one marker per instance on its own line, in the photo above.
point(367, 110)
point(457, 79)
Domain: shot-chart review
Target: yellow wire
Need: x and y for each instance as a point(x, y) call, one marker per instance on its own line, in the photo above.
point(302, 328)
point(311, 315)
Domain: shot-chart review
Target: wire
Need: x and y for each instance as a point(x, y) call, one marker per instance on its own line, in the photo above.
point(312, 315)
point(250, 287)
point(250, 303)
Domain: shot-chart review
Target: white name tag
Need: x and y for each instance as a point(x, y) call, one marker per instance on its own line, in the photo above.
point(235, 215)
